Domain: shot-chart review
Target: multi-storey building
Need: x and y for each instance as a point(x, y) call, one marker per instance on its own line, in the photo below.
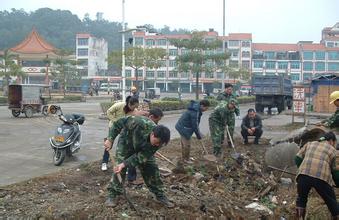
point(169, 79)
point(300, 61)
point(91, 56)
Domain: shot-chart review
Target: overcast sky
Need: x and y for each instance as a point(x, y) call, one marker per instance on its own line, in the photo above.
point(270, 21)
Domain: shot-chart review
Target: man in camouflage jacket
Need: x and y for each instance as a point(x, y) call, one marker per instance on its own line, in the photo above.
point(218, 119)
point(226, 96)
point(141, 139)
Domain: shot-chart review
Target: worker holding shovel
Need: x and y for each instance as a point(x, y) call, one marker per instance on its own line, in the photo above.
point(219, 118)
point(188, 124)
point(142, 139)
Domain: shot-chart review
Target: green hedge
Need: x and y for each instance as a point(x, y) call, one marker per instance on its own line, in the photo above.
point(169, 104)
point(66, 98)
point(3, 100)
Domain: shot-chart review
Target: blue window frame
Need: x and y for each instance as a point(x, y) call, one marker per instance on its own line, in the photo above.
point(258, 64)
point(308, 66)
point(295, 65)
point(270, 64)
point(333, 55)
point(282, 65)
point(320, 55)
point(307, 76)
point(308, 55)
point(295, 76)
point(320, 66)
point(269, 55)
point(333, 66)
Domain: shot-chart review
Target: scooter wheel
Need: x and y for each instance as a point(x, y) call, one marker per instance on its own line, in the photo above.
point(59, 157)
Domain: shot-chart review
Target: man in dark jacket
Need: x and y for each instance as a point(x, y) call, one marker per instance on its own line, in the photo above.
point(251, 126)
point(188, 124)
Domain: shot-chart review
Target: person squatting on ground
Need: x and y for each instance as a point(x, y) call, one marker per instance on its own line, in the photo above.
point(140, 141)
point(155, 115)
point(218, 120)
point(188, 124)
point(251, 126)
point(134, 92)
point(226, 96)
point(316, 163)
point(116, 111)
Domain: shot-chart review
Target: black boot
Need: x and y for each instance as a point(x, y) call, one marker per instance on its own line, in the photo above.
point(300, 213)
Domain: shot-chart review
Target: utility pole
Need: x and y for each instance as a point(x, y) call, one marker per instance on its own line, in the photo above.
point(223, 44)
point(123, 73)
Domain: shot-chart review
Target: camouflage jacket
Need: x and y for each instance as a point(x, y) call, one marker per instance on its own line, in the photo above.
point(333, 121)
point(221, 114)
point(136, 136)
point(226, 97)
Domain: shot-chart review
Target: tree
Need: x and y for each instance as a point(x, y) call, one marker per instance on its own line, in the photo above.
point(240, 73)
point(64, 70)
point(200, 55)
point(9, 68)
point(137, 58)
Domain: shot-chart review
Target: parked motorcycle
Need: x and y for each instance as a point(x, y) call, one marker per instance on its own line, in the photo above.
point(67, 137)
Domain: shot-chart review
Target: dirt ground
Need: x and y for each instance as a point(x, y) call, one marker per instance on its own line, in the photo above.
point(205, 190)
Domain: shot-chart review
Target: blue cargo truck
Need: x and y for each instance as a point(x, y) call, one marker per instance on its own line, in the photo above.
point(272, 91)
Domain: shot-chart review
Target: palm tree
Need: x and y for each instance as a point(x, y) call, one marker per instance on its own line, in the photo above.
point(9, 68)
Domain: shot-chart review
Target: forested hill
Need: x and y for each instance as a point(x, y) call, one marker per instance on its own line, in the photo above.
point(59, 28)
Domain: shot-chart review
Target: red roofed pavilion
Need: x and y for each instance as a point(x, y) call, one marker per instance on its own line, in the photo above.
point(32, 53)
point(34, 46)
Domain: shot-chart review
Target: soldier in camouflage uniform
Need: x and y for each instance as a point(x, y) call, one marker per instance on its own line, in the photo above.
point(138, 143)
point(219, 118)
point(226, 96)
point(333, 121)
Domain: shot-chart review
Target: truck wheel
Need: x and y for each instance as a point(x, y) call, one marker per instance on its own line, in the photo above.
point(45, 110)
point(15, 113)
point(281, 107)
point(29, 112)
point(259, 108)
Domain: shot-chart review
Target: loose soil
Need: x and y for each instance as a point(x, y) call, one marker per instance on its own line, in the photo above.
point(205, 190)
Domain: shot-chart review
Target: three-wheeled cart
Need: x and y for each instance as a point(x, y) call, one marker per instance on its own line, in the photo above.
point(27, 99)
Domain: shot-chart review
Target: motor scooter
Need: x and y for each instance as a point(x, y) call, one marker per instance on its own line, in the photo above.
point(67, 137)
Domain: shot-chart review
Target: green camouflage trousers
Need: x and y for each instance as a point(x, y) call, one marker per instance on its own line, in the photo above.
point(149, 171)
point(217, 135)
point(231, 125)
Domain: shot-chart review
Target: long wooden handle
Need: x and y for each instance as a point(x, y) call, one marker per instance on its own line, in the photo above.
point(164, 158)
point(113, 163)
point(230, 138)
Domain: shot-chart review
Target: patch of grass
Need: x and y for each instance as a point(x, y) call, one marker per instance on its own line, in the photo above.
point(190, 170)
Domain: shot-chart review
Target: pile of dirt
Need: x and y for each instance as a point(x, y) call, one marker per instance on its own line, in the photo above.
point(205, 190)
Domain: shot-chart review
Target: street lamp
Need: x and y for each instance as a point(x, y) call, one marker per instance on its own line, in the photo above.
point(223, 44)
point(123, 73)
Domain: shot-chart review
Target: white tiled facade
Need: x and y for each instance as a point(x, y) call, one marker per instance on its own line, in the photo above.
point(91, 54)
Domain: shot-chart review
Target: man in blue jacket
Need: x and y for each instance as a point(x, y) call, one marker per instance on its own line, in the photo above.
point(188, 124)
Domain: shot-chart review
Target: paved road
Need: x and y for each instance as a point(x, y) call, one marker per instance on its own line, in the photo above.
point(25, 150)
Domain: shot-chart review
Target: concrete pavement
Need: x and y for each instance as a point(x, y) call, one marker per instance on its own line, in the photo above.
point(25, 150)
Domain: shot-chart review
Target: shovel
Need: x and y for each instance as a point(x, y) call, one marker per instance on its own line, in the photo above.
point(122, 185)
point(236, 156)
point(208, 157)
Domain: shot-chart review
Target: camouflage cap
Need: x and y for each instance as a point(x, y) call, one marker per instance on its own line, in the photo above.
point(233, 101)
